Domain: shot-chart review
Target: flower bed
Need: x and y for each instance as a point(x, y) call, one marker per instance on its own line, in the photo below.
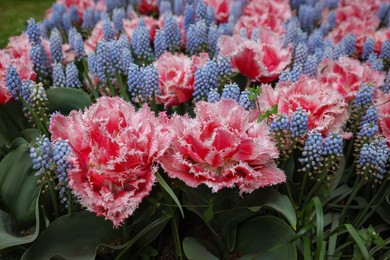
point(218, 129)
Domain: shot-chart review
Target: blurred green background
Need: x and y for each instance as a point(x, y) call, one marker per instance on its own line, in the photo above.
point(14, 14)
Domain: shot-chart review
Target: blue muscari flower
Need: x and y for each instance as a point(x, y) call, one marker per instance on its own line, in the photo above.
point(383, 11)
point(284, 76)
point(40, 60)
point(73, 14)
point(307, 16)
point(236, 10)
point(72, 76)
point(255, 35)
point(291, 32)
point(385, 50)
point(231, 91)
point(386, 85)
point(140, 42)
point(376, 64)
point(92, 63)
point(108, 31)
point(244, 100)
point(338, 51)
point(77, 45)
point(368, 48)
point(189, 14)
point(328, 52)
point(172, 33)
point(226, 28)
point(59, 80)
point(165, 7)
point(315, 41)
point(224, 67)
point(333, 145)
point(368, 129)
point(13, 82)
point(126, 60)
point(43, 28)
point(312, 151)
point(103, 61)
point(211, 14)
point(325, 28)
point(331, 4)
point(213, 96)
point(178, 7)
point(33, 32)
point(89, 20)
point(201, 11)
point(71, 34)
point(349, 42)
point(160, 45)
point(301, 36)
point(332, 19)
point(150, 82)
point(201, 85)
point(212, 39)
point(134, 80)
point(310, 66)
point(299, 123)
point(42, 155)
point(243, 33)
point(301, 53)
point(66, 23)
point(371, 115)
point(196, 37)
point(26, 89)
point(117, 18)
point(373, 159)
point(115, 52)
point(61, 150)
point(124, 41)
point(295, 73)
point(56, 46)
point(280, 123)
point(319, 54)
point(365, 96)
point(192, 44)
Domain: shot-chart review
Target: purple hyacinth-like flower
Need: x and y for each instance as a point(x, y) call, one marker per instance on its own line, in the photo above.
point(91, 62)
point(371, 115)
point(310, 66)
point(243, 33)
point(291, 33)
point(338, 51)
point(213, 96)
point(77, 45)
point(385, 50)
point(375, 63)
point(373, 160)
point(13, 82)
point(299, 123)
point(56, 46)
point(201, 85)
point(192, 41)
point(134, 80)
point(33, 32)
point(231, 91)
point(160, 45)
point(315, 41)
point(295, 73)
point(244, 100)
point(126, 60)
point(332, 19)
point(368, 48)
point(333, 145)
point(386, 85)
point(41, 155)
point(165, 8)
point(117, 19)
point(72, 76)
point(365, 96)
point(280, 123)
point(172, 33)
point(201, 11)
point(73, 15)
point(383, 11)
point(211, 14)
point(307, 16)
point(150, 86)
point(103, 63)
point(212, 39)
point(141, 42)
point(59, 80)
point(325, 28)
point(349, 42)
point(89, 20)
point(123, 41)
point(178, 7)
point(189, 14)
point(40, 60)
point(225, 69)
point(368, 130)
point(255, 35)
point(115, 55)
point(312, 151)
point(108, 31)
point(61, 150)
point(301, 53)
point(66, 23)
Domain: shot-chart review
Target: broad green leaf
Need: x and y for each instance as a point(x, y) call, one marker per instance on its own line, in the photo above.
point(266, 114)
point(9, 238)
point(265, 237)
point(18, 185)
point(73, 236)
point(194, 250)
point(12, 121)
point(67, 99)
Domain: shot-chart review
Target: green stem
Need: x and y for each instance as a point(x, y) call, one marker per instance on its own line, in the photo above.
point(92, 86)
point(122, 87)
point(302, 187)
point(69, 195)
point(356, 187)
point(53, 195)
point(111, 87)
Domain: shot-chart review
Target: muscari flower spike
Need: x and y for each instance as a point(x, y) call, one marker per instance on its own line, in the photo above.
point(160, 45)
point(72, 76)
point(13, 82)
point(42, 155)
point(312, 152)
point(349, 43)
point(172, 33)
point(301, 53)
point(385, 50)
point(189, 15)
point(244, 100)
point(213, 96)
point(165, 8)
point(368, 48)
point(310, 66)
point(60, 152)
point(56, 46)
point(231, 91)
point(365, 96)
point(141, 43)
point(299, 123)
point(134, 80)
point(201, 11)
point(117, 18)
point(108, 31)
point(59, 80)
point(33, 32)
point(178, 7)
point(40, 60)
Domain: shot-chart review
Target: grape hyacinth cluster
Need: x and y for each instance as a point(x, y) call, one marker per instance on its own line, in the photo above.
point(280, 128)
point(143, 82)
point(299, 124)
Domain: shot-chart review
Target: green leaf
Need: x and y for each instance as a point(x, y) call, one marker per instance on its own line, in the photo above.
point(319, 214)
point(18, 185)
point(12, 121)
point(73, 236)
point(358, 241)
point(194, 249)
point(67, 99)
point(266, 114)
point(208, 214)
point(168, 189)
point(266, 237)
